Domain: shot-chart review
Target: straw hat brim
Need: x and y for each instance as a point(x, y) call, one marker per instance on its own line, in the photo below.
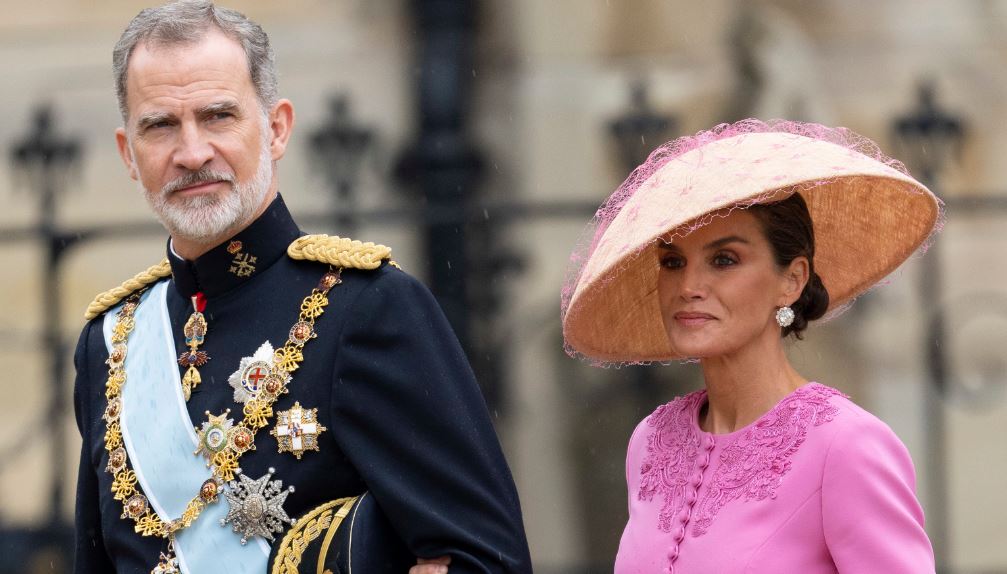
point(868, 218)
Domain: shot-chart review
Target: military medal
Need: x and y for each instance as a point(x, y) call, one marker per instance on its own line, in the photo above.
point(213, 436)
point(167, 565)
point(256, 374)
point(297, 430)
point(256, 506)
point(195, 332)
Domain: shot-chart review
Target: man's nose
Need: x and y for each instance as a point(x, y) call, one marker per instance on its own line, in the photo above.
point(194, 149)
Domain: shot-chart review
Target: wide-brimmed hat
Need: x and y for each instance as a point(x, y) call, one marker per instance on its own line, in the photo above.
point(868, 213)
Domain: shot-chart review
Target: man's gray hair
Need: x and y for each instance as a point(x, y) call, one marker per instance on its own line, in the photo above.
point(187, 22)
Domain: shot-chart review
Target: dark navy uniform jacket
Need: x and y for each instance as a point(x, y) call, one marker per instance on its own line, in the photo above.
point(405, 417)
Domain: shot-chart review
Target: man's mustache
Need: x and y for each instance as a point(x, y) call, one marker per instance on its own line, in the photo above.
point(204, 175)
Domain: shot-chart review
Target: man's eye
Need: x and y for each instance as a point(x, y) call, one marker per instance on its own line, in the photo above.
point(222, 116)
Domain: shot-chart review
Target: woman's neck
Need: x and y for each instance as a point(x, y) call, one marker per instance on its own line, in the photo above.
point(743, 386)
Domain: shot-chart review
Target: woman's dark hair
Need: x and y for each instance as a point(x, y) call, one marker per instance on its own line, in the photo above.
point(787, 225)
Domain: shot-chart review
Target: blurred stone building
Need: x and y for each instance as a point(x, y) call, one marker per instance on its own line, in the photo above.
point(548, 79)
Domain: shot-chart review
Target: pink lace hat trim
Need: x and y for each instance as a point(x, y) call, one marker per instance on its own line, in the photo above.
point(869, 216)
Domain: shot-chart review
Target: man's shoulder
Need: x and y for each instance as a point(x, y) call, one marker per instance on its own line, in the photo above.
point(366, 266)
point(340, 252)
point(107, 299)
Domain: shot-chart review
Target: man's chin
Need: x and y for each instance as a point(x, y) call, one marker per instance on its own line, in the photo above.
point(197, 225)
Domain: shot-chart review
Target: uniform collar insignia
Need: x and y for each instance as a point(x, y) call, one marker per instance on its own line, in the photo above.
point(240, 258)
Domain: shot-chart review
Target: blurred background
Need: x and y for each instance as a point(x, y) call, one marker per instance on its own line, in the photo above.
point(476, 138)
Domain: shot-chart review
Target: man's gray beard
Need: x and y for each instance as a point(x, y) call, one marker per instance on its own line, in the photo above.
point(205, 218)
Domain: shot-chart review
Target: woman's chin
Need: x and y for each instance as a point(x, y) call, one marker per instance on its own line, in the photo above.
point(695, 348)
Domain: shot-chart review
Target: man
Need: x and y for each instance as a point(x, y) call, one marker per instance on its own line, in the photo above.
point(259, 376)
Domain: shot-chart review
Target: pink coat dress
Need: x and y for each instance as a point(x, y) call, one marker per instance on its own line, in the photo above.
point(816, 485)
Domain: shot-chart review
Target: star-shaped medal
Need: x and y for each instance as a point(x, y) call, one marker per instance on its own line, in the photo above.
point(256, 506)
point(254, 372)
point(213, 436)
point(297, 430)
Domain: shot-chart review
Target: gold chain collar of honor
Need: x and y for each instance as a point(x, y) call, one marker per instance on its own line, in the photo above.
point(240, 437)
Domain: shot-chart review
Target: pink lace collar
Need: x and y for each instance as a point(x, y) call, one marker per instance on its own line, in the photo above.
point(752, 466)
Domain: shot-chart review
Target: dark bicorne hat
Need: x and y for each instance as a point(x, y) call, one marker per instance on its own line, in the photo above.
point(341, 537)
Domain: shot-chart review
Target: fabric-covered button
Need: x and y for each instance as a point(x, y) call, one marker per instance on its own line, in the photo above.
point(697, 479)
point(690, 497)
point(704, 462)
point(684, 515)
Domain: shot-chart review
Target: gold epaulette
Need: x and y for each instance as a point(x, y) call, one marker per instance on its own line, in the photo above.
point(105, 301)
point(340, 251)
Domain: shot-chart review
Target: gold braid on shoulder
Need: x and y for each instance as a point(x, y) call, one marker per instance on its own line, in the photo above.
point(105, 301)
point(340, 252)
point(336, 251)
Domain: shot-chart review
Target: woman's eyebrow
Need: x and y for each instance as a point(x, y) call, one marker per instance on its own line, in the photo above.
point(717, 243)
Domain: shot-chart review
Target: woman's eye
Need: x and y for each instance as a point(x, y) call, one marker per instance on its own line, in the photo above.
point(673, 262)
point(724, 260)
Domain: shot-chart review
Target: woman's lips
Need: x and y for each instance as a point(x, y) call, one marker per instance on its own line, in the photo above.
point(692, 318)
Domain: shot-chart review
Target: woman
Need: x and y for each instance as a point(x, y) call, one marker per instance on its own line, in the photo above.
point(716, 249)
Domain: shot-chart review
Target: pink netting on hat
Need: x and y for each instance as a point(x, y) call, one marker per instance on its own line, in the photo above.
point(668, 152)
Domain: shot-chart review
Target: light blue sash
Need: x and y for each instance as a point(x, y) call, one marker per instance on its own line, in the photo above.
point(159, 438)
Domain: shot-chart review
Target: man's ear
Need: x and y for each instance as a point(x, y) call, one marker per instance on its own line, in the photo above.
point(795, 277)
point(281, 124)
point(122, 142)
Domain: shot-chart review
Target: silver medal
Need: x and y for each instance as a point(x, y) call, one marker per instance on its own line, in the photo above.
point(256, 506)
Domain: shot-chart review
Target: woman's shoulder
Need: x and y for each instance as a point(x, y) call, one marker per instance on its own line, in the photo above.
point(850, 417)
point(859, 439)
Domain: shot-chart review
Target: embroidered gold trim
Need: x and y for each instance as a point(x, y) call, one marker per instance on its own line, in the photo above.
point(308, 528)
point(340, 516)
point(105, 301)
point(339, 251)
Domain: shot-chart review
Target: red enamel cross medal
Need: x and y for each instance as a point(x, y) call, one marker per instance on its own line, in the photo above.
point(255, 373)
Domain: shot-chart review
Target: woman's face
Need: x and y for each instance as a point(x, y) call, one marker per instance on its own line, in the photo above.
point(719, 287)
